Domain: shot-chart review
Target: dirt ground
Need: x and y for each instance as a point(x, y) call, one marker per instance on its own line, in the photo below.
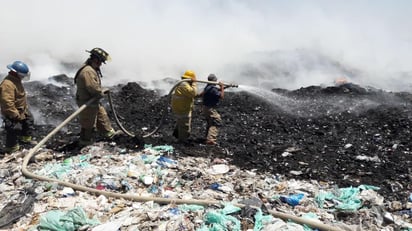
point(347, 135)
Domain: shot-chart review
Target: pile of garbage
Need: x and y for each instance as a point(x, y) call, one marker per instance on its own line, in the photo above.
point(154, 174)
point(338, 156)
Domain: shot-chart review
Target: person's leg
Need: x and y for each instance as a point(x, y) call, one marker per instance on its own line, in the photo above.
point(183, 128)
point(87, 119)
point(215, 122)
point(103, 123)
point(212, 133)
point(11, 136)
point(27, 129)
point(206, 115)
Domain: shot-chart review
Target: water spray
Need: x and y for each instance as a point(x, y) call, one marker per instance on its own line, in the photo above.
point(201, 201)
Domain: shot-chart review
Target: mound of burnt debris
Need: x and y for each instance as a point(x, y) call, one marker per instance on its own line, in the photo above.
point(347, 135)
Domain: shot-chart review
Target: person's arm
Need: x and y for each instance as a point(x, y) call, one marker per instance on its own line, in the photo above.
point(222, 90)
point(8, 102)
point(189, 90)
point(92, 83)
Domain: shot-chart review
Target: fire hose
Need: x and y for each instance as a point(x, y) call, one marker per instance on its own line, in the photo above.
point(164, 111)
point(159, 200)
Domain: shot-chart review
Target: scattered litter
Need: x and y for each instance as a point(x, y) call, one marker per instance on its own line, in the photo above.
point(70, 221)
point(16, 208)
point(218, 169)
point(368, 158)
point(150, 173)
point(292, 200)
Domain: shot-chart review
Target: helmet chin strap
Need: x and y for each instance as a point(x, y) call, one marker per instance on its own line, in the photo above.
point(94, 63)
point(24, 77)
point(99, 73)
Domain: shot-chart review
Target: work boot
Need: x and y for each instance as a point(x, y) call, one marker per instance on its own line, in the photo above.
point(86, 137)
point(210, 142)
point(83, 143)
point(112, 133)
point(12, 149)
point(27, 140)
point(175, 133)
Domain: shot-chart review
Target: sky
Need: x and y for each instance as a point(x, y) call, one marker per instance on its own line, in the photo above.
point(266, 43)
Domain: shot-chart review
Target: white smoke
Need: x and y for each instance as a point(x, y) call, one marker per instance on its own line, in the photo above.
point(285, 44)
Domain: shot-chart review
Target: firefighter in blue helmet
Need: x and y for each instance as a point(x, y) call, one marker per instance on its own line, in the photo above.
point(17, 119)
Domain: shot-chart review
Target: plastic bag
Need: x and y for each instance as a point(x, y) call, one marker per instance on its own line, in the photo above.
point(59, 221)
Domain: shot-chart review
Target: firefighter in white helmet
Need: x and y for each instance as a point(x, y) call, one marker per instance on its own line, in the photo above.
point(88, 82)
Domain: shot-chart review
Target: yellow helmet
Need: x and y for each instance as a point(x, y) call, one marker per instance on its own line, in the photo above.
point(189, 75)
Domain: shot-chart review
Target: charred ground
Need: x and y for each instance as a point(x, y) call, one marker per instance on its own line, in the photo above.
point(347, 135)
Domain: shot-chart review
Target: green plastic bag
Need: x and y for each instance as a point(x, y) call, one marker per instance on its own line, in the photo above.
point(346, 198)
point(220, 221)
point(56, 220)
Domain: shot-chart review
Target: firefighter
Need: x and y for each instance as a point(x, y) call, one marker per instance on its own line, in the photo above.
point(17, 119)
point(88, 82)
point(211, 96)
point(182, 106)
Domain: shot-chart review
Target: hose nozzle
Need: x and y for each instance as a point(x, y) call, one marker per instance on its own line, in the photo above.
point(227, 85)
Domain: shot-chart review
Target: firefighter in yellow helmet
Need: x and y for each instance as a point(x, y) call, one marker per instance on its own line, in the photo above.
point(88, 82)
point(182, 106)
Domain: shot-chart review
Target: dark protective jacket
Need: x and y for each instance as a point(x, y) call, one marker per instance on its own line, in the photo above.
point(88, 85)
point(211, 95)
point(13, 99)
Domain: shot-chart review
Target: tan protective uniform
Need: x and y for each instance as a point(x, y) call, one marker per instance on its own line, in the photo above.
point(89, 86)
point(182, 106)
point(15, 111)
point(213, 121)
point(13, 98)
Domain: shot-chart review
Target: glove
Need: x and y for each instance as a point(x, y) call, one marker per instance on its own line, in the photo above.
point(193, 82)
point(12, 124)
point(20, 117)
point(104, 92)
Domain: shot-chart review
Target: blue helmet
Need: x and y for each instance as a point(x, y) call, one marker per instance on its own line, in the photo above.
point(20, 68)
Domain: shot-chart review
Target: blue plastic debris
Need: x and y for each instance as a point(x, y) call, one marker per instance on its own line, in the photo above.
point(174, 211)
point(406, 212)
point(126, 186)
point(292, 200)
point(166, 162)
point(217, 187)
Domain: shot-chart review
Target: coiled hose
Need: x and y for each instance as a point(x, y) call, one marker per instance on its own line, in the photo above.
point(164, 113)
point(159, 200)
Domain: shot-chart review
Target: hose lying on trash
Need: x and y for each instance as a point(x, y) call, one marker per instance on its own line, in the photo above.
point(159, 200)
